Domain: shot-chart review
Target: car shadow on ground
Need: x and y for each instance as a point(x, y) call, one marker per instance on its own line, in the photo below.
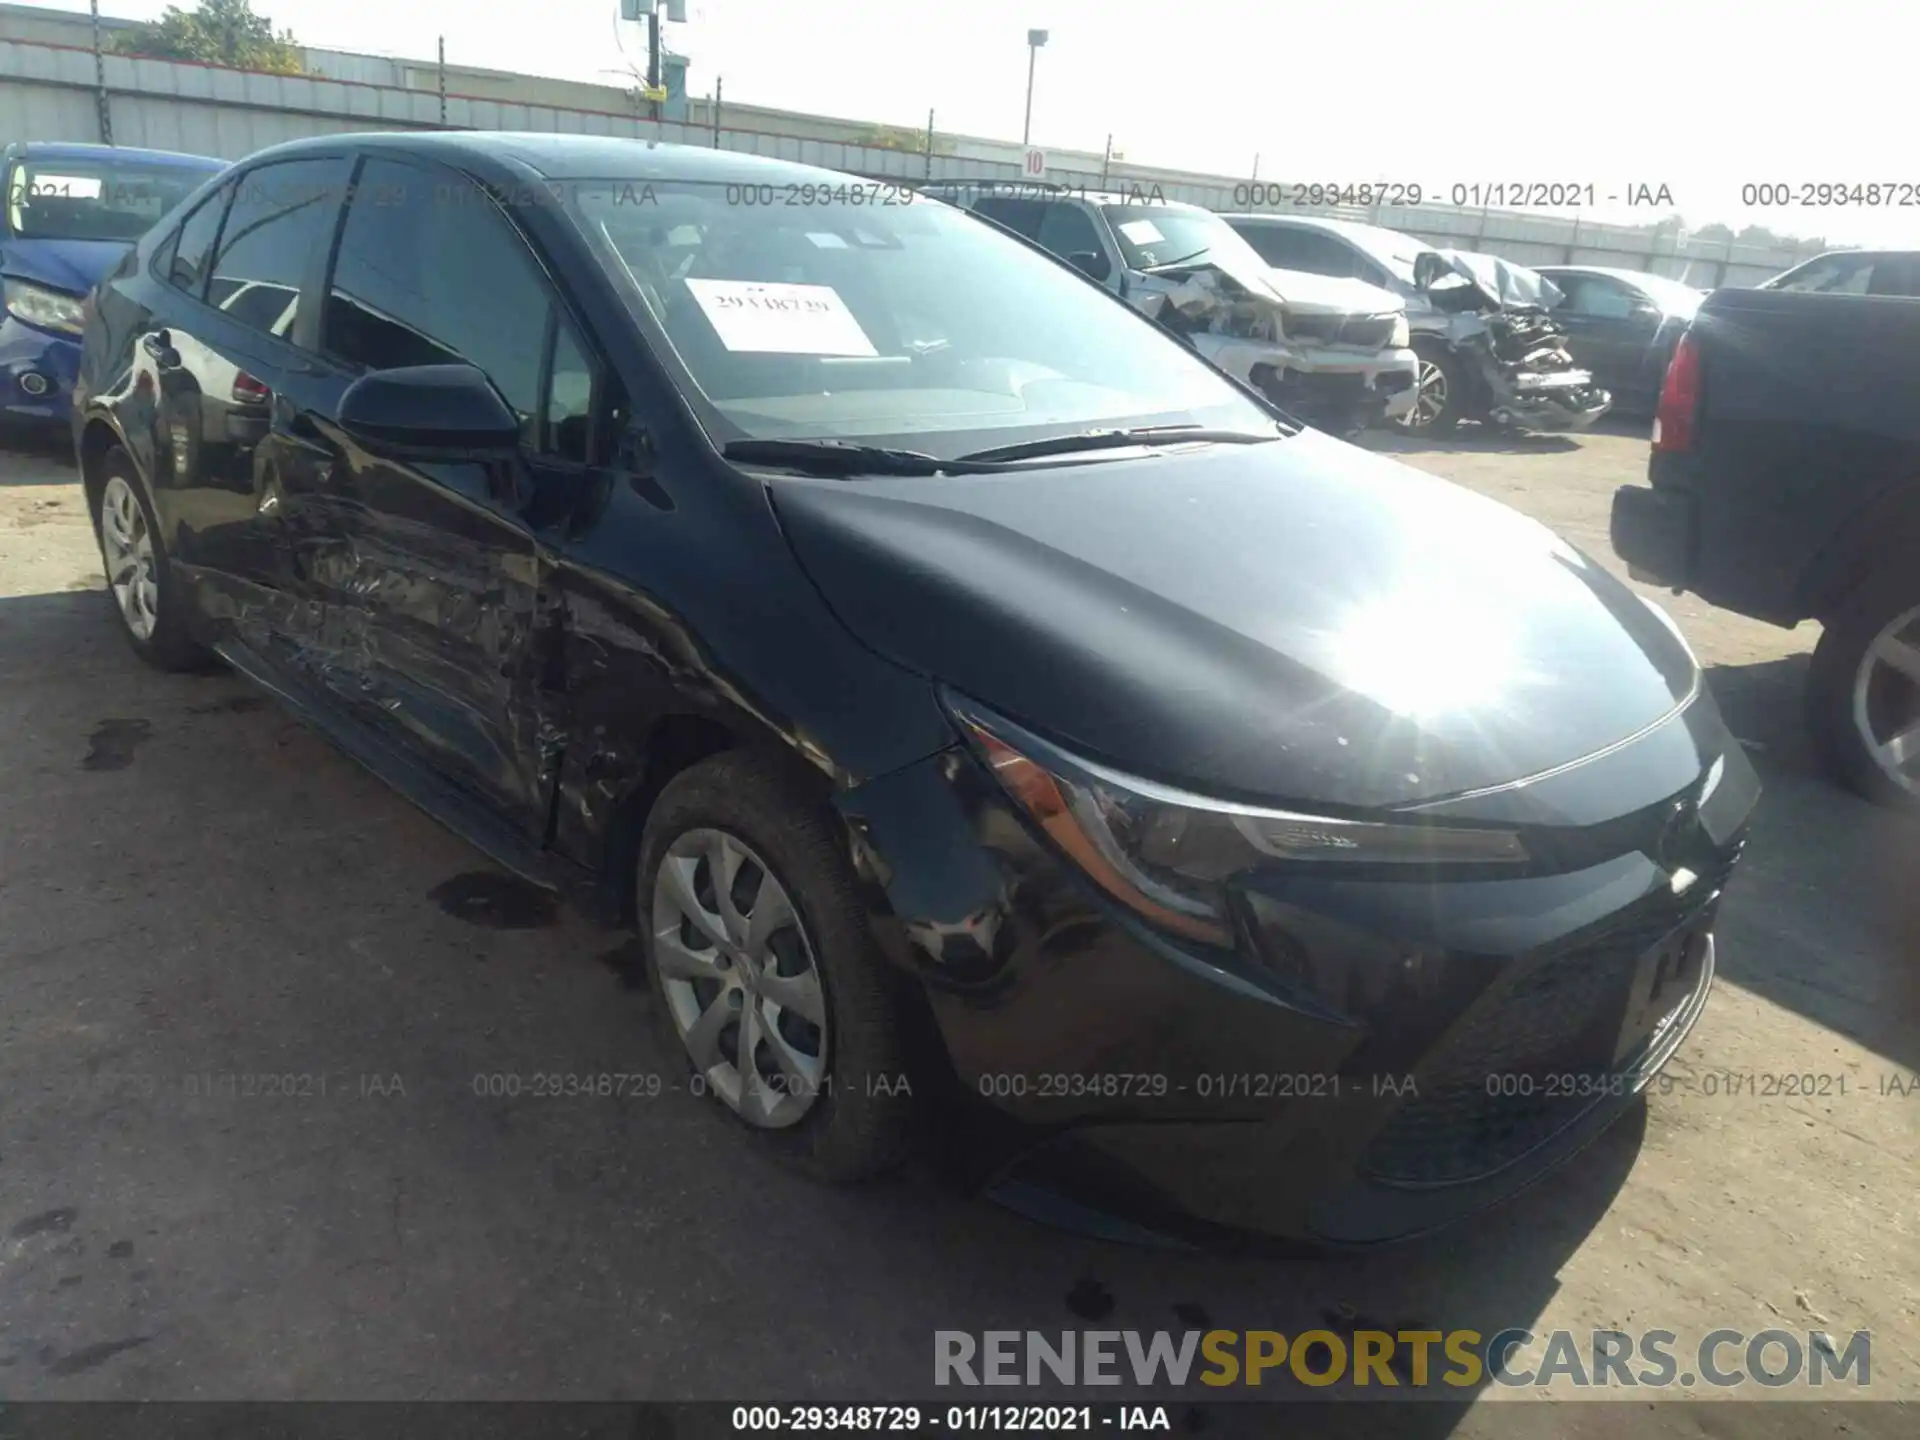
point(1636, 425)
point(1823, 917)
point(48, 449)
point(263, 899)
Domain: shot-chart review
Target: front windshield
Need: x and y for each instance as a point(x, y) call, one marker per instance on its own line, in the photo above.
point(103, 199)
point(1843, 274)
point(896, 320)
point(1153, 235)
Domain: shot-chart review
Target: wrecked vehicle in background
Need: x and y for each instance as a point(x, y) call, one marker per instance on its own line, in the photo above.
point(1490, 348)
point(1335, 353)
point(1487, 346)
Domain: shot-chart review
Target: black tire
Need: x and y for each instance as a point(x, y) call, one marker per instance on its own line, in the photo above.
point(859, 1122)
point(1454, 374)
point(1831, 681)
point(171, 646)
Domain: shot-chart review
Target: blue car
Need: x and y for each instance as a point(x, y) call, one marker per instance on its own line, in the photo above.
point(72, 214)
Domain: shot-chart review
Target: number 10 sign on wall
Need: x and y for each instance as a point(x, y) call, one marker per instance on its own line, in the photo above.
point(1034, 165)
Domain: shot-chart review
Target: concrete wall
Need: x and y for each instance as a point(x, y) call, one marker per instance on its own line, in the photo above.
point(47, 92)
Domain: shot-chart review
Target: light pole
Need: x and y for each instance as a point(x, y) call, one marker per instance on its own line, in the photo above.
point(1035, 39)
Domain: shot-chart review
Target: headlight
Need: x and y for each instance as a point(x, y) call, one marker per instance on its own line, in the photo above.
point(1167, 855)
point(48, 309)
point(1402, 336)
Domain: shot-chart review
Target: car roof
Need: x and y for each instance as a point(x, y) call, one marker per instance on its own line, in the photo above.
point(73, 150)
point(1860, 254)
point(1317, 222)
point(566, 157)
point(1630, 276)
point(1036, 190)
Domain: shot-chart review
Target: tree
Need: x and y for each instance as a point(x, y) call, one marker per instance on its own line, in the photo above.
point(218, 32)
point(894, 137)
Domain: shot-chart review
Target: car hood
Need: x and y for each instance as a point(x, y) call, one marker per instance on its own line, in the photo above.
point(1333, 295)
point(1291, 621)
point(74, 266)
point(1500, 284)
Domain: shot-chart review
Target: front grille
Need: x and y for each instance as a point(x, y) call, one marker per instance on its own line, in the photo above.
point(1528, 1062)
point(1367, 332)
point(1317, 385)
point(1361, 332)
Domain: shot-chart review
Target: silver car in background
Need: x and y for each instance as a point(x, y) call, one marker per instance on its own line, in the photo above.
point(1335, 353)
point(1489, 345)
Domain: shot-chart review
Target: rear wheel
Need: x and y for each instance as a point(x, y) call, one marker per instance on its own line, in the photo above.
point(146, 595)
point(1864, 692)
point(763, 971)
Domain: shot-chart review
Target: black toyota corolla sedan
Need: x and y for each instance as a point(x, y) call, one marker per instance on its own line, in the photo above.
point(963, 688)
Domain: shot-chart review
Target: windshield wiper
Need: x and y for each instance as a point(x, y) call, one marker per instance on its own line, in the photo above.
point(836, 457)
point(1169, 264)
point(1119, 440)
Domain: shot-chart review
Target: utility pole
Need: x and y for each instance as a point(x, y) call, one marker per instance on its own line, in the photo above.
point(653, 58)
point(717, 83)
point(443, 82)
point(100, 80)
point(1035, 39)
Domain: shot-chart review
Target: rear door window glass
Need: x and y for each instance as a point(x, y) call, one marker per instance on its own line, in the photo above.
point(277, 228)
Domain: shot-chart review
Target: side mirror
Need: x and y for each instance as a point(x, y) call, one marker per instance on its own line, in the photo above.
point(430, 412)
point(1091, 263)
point(1645, 310)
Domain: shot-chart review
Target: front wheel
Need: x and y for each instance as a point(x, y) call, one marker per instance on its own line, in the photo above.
point(1863, 692)
point(146, 595)
point(763, 971)
point(1440, 401)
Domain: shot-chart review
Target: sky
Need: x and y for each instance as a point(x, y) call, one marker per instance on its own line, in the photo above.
point(1701, 96)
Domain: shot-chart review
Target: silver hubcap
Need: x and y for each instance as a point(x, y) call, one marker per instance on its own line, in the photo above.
point(128, 549)
point(1430, 400)
point(1886, 701)
point(741, 978)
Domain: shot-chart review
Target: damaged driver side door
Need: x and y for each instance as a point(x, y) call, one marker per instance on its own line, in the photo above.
point(431, 580)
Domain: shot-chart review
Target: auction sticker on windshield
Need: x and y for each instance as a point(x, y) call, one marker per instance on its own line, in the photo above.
point(69, 187)
point(781, 318)
point(1142, 232)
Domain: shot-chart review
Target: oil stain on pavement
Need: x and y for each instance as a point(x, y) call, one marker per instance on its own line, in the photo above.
point(495, 901)
point(88, 1356)
point(47, 1222)
point(113, 742)
point(1090, 1300)
point(230, 705)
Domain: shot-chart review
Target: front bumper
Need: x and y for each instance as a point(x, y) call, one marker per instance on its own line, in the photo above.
point(1330, 387)
point(37, 372)
point(1378, 1059)
point(1399, 1157)
point(1552, 402)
